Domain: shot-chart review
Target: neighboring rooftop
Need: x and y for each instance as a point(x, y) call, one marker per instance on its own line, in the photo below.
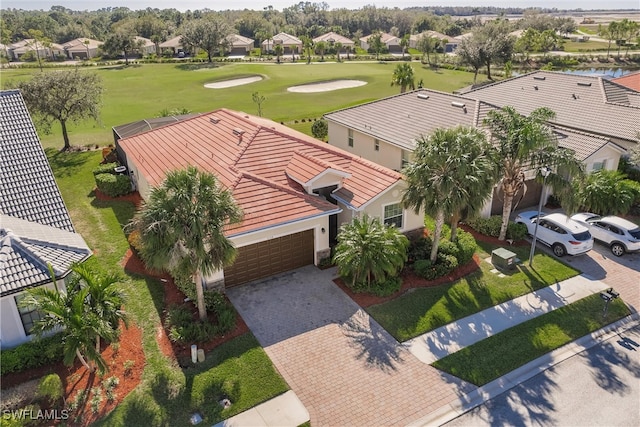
point(140, 126)
point(28, 188)
point(402, 119)
point(587, 103)
point(332, 37)
point(632, 81)
point(583, 144)
point(259, 161)
point(28, 248)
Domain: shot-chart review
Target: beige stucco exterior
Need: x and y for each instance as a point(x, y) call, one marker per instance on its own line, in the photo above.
point(606, 154)
point(388, 155)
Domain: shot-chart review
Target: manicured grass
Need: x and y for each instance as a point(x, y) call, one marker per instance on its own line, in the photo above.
point(142, 91)
point(501, 353)
point(425, 309)
point(167, 393)
point(587, 46)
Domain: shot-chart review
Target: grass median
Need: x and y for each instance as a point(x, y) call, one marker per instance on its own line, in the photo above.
point(499, 354)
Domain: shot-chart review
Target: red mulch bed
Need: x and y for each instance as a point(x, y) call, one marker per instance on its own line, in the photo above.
point(173, 296)
point(77, 377)
point(410, 281)
point(131, 197)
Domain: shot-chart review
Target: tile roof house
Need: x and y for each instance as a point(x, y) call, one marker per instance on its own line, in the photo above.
point(16, 50)
point(451, 43)
point(291, 44)
point(391, 42)
point(239, 45)
point(174, 44)
point(82, 48)
point(632, 81)
point(331, 38)
point(294, 190)
point(596, 118)
point(35, 227)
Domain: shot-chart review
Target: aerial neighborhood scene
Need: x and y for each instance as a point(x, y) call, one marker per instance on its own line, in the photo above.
point(319, 214)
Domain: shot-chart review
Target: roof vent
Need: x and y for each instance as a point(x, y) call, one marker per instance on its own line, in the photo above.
point(238, 131)
point(535, 87)
point(539, 77)
point(214, 120)
point(458, 104)
point(574, 96)
point(423, 96)
point(584, 84)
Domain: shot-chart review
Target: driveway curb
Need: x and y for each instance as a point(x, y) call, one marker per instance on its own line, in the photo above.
point(477, 397)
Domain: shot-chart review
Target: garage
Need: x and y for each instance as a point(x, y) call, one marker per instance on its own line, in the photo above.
point(238, 51)
point(521, 200)
point(271, 257)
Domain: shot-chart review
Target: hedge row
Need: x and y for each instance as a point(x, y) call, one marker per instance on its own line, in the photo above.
point(113, 185)
point(105, 168)
point(40, 352)
point(491, 227)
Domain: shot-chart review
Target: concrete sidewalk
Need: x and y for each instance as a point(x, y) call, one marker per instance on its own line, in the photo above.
point(455, 336)
point(285, 410)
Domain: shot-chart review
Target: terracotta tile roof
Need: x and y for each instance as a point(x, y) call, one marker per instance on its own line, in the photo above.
point(591, 104)
point(303, 167)
point(250, 155)
point(402, 119)
point(284, 39)
point(632, 81)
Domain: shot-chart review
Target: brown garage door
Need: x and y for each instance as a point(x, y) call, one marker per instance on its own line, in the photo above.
point(271, 257)
point(524, 200)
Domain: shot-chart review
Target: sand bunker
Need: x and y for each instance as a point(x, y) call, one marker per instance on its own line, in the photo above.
point(231, 83)
point(326, 86)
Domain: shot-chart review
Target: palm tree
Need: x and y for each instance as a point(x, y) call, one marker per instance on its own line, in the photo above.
point(404, 44)
point(451, 169)
point(105, 298)
point(338, 48)
point(181, 227)
point(307, 47)
point(321, 47)
point(279, 50)
point(526, 143)
point(368, 250)
point(81, 326)
point(403, 76)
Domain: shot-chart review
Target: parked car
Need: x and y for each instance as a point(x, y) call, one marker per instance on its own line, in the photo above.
point(558, 231)
point(621, 235)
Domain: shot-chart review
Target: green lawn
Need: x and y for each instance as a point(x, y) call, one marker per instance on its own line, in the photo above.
point(167, 393)
point(499, 354)
point(142, 91)
point(587, 46)
point(425, 309)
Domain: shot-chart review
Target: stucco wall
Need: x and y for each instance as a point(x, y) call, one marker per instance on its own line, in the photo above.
point(411, 220)
point(11, 330)
point(389, 155)
point(609, 154)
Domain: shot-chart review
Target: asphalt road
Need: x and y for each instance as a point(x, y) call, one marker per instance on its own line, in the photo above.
point(598, 387)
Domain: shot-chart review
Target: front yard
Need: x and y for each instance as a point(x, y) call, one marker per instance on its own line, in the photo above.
point(421, 310)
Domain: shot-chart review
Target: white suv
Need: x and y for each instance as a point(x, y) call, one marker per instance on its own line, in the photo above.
point(561, 233)
point(621, 235)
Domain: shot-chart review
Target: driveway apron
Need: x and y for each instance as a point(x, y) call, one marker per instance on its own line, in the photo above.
point(343, 366)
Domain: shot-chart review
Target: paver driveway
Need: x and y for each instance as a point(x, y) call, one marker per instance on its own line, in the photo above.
point(343, 366)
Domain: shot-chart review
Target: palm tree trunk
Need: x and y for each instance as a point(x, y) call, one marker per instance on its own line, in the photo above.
point(436, 235)
point(97, 343)
point(83, 361)
point(454, 226)
point(202, 310)
point(506, 212)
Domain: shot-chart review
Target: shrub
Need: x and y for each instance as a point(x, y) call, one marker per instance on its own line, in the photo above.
point(430, 271)
point(135, 241)
point(516, 231)
point(491, 227)
point(183, 328)
point(40, 352)
point(382, 288)
point(420, 249)
point(113, 185)
point(50, 388)
point(320, 129)
point(466, 247)
point(105, 168)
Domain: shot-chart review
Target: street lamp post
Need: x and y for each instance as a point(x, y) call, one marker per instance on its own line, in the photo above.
point(545, 172)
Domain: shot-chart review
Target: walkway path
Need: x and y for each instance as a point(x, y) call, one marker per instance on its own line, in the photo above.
point(455, 336)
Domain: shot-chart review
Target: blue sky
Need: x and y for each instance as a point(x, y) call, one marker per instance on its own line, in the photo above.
point(280, 4)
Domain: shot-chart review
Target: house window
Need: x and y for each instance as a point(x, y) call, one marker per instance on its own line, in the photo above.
point(405, 158)
point(599, 165)
point(393, 215)
point(29, 315)
point(376, 145)
point(350, 139)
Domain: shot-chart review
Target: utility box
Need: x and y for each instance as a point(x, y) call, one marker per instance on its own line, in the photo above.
point(503, 259)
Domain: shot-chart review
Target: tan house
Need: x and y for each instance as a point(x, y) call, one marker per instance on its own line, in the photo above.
point(595, 118)
point(238, 45)
point(35, 226)
point(174, 44)
point(82, 48)
point(450, 43)
point(146, 46)
point(294, 190)
point(49, 51)
point(291, 44)
point(332, 38)
point(391, 42)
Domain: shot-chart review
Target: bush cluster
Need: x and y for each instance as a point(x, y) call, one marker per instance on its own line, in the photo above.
point(113, 185)
point(105, 168)
point(183, 328)
point(40, 352)
point(450, 255)
point(491, 227)
point(382, 288)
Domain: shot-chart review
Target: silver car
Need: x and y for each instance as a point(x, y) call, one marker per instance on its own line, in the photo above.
point(620, 235)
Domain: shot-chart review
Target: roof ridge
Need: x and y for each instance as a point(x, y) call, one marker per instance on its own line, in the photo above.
point(321, 162)
point(579, 132)
point(33, 254)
